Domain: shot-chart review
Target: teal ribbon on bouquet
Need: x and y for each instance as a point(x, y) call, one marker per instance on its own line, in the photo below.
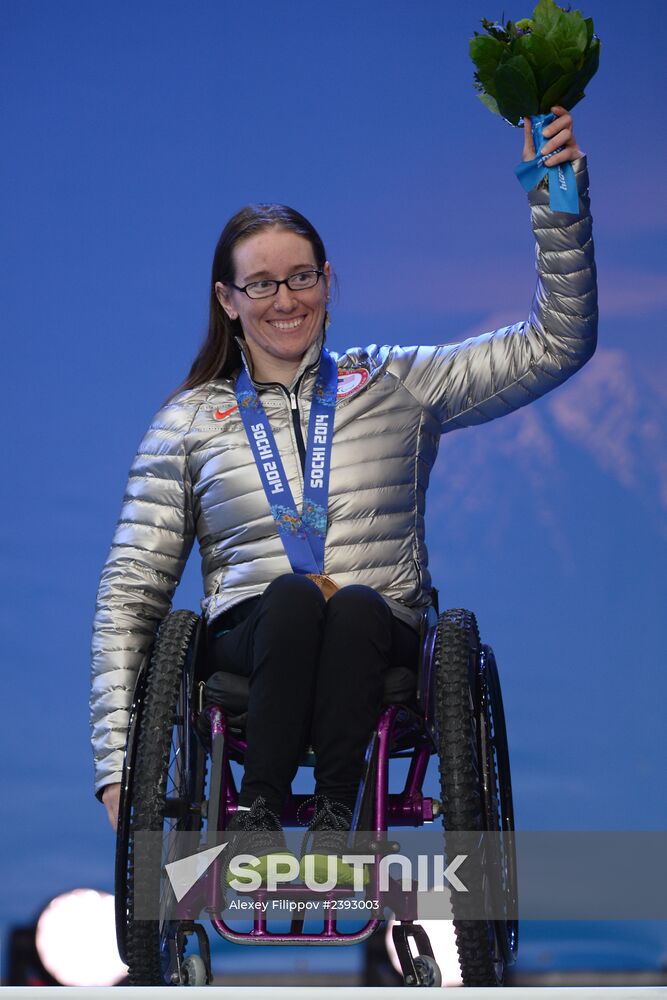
point(563, 194)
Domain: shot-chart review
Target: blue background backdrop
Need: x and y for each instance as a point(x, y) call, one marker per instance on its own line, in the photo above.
point(131, 132)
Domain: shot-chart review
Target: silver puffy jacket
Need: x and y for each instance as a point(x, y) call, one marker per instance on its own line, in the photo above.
point(194, 474)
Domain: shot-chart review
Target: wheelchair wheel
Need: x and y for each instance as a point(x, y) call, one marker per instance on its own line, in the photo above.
point(476, 788)
point(165, 794)
point(497, 790)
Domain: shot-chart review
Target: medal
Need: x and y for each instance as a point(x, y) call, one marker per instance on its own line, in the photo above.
point(325, 583)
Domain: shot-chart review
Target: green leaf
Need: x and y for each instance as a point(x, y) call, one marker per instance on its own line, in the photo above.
point(507, 54)
point(486, 53)
point(490, 102)
point(571, 59)
point(592, 60)
point(537, 50)
point(510, 115)
point(488, 88)
point(545, 17)
point(516, 89)
point(521, 65)
point(579, 30)
point(572, 100)
point(590, 29)
point(541, 55)
point(569, 87)
point(547, 76)
point(570, 32)
point(579, 80)
point(555, 93)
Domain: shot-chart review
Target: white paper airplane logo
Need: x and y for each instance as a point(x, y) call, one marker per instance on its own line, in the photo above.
point(185, 872)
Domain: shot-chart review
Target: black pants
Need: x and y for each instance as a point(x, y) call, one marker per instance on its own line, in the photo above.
point(315, 670)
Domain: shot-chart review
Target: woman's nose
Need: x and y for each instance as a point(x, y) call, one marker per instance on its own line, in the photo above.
point(284, 298)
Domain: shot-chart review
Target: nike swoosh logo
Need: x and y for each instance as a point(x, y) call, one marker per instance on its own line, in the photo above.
point(221, 414)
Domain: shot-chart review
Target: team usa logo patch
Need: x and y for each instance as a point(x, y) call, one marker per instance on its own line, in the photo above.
point(351, 381)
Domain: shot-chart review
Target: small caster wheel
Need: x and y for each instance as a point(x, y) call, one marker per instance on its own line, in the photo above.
point(427, 970)
point(194, 971)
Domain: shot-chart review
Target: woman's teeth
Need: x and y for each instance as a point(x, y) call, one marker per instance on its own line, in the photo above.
point(286, 325)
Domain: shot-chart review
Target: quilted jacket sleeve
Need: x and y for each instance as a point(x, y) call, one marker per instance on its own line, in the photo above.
point(150, 546)
point(487, 376)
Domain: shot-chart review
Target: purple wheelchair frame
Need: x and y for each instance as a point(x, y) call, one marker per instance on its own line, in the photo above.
point(397, 725)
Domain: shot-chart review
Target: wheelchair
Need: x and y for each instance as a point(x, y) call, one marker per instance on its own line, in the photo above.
point(183, 734)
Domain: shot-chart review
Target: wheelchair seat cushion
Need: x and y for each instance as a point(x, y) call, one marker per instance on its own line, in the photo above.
point(231, 691)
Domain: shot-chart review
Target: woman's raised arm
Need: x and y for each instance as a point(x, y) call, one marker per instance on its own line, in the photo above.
point(494, 373)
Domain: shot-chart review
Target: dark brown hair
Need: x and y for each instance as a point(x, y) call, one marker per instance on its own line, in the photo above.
point(219, 355)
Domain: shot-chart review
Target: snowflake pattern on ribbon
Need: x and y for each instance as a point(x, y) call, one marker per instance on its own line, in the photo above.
point(287, 519)
point(248, 399)
point(325, 395)
point(314, 518)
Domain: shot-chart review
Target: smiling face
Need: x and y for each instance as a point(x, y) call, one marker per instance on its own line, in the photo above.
point(278, 330)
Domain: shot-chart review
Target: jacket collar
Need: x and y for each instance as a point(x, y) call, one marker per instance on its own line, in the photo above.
point(310, 361)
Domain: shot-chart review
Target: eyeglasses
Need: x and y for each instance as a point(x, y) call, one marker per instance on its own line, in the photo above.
point(268, 286)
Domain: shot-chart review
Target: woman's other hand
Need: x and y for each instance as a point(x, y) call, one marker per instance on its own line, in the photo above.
point(558, 133)
point(111, 800)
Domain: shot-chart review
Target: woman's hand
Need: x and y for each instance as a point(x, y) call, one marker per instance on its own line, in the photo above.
point(559, 133)
point(111, 800)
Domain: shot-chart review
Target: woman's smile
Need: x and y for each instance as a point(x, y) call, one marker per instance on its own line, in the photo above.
point(287, 324)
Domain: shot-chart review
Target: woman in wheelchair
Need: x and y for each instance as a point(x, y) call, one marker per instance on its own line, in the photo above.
point(303, 476)
point(318, 664)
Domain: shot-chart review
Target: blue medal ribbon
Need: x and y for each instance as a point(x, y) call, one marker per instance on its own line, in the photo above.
point(563, 195)
point(302, 534)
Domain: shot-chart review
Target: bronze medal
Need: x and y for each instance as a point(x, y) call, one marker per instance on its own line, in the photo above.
point(325, 583)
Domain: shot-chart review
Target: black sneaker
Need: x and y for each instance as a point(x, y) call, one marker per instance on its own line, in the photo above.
point(328, 834)
point(255, 831)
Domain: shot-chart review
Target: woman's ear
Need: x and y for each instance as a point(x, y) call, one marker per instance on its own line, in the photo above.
point(223, 295)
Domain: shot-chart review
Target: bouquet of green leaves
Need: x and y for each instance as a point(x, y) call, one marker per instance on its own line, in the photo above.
point(524, 68)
